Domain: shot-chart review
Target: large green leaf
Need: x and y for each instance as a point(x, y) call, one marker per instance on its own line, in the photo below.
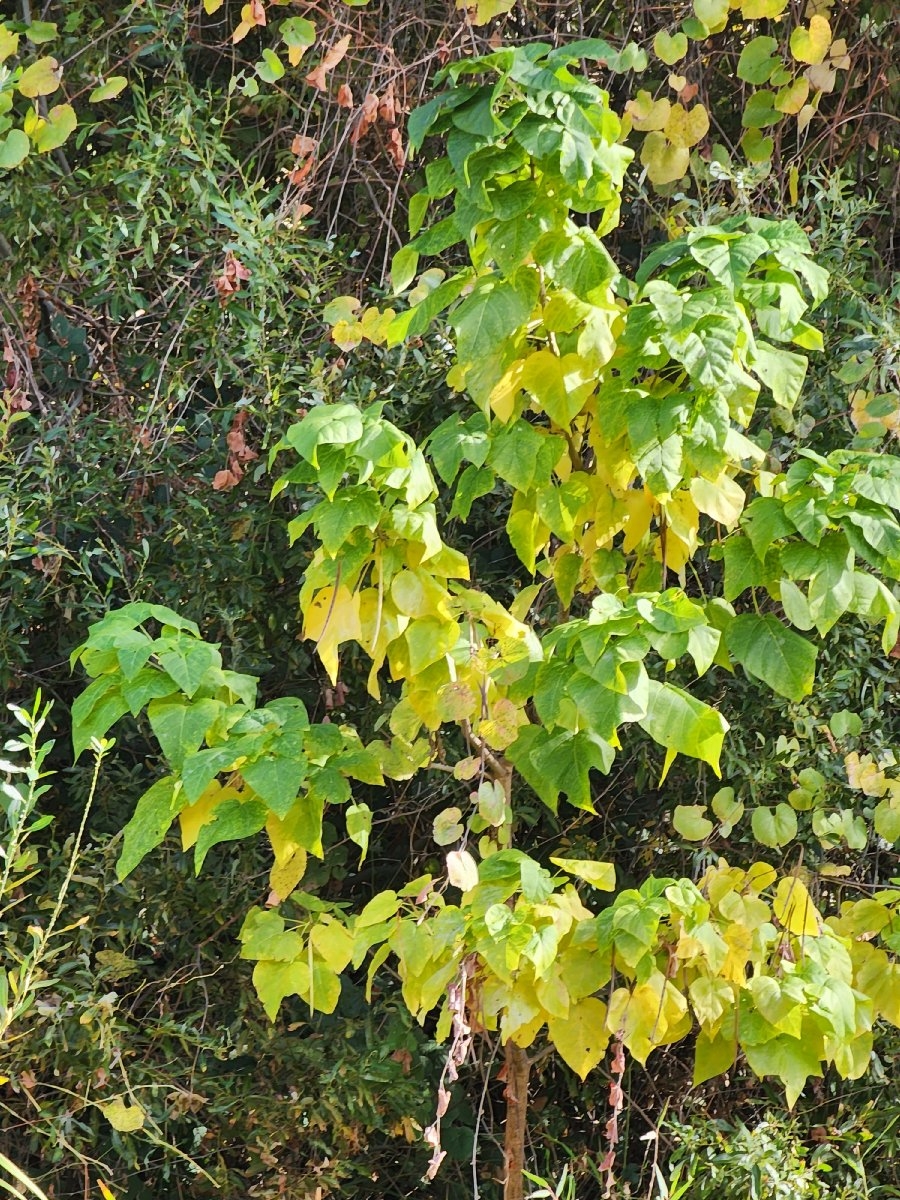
point(770, 651)
point(493, 312)
point(276, 778)
point(179, 728)
point(560, 765)
point(683, 724)
point(232, 821)
point(782, 371)
point(187, 660)
point(524, 456)
point(96, 710)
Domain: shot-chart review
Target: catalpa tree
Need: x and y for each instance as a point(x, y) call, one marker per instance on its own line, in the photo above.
point(616, 418)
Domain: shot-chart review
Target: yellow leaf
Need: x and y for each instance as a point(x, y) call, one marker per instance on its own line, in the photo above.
point(9, 43)
point(41, 78)
point(240, 31)
point(665, 163)
point(811, 45)
point(793, 184)
point(482, 11)
point(601, 875)
point(582, 1037)
point(863, 775)
point(211, 6)
point(722, 499)
point(686, 127)
point(332, 618)
point(640, 1015)
point(646, 113)
point(760, 876)
point(105, 1192)
point(641, 508)
point(195, 816)
point(758, 10)
point(284, 877)
point(792, 98)
point(126, 1118)
point(794, 908)
point(804, 116)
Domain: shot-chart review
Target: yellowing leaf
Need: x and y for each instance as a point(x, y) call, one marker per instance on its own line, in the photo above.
point(195, 816)
point(9, 43)
point(60, 123)
point(791, 99)
point(582, 1037)
point(105, 1192)
point(670, 48)
point(713, 1055)
point(601, 875)
point(811, 45)
point(41, 78)
point(462, 870)
point(794, 908)
point(109, 90)
point(757, 10)
point(284, 876)
point(713, 14)
point(686, 127)
point(332, 618)
point(483, 11)
point(212, 6)
point(665, 163)
point(691, 821)
point(646, 113)
point(126, 1118)
point(723, 499)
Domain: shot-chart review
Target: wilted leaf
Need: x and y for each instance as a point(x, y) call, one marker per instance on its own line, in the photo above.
point(462, 870)
point(317, 78)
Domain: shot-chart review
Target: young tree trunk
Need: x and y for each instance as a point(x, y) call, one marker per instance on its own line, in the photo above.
point(518, 1067)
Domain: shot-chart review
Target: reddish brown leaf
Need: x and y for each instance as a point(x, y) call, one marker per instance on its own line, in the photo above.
point(366, 118)
point(387, 107)
point(345, 96)
point(300, 173)
point(317, 77)
point(395, 149)
point(233, 274)
point(224, 481)
point(303, 145)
